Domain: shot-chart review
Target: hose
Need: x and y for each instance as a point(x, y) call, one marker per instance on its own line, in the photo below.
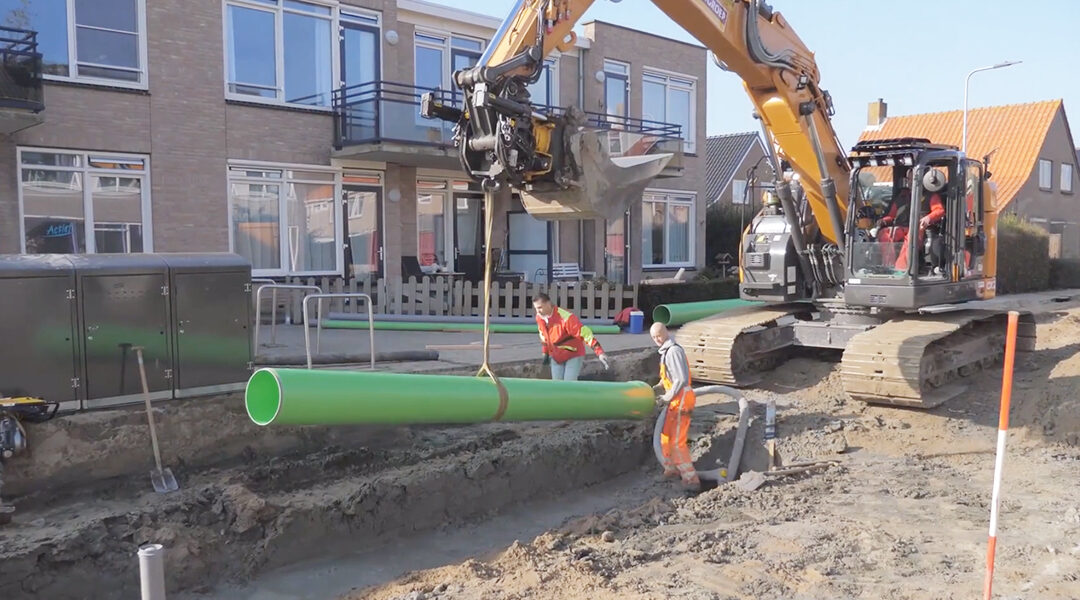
point(719, 474)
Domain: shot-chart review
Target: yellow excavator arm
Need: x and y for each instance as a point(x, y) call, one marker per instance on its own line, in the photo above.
point(745, 36)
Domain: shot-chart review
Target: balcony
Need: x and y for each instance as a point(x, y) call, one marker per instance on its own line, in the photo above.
point(22, 98)
point(380, 121)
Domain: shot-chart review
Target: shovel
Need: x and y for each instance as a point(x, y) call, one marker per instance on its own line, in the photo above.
point(162, 479)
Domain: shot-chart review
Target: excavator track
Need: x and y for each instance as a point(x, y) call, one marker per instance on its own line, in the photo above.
point(923, 361)
point(732, 348)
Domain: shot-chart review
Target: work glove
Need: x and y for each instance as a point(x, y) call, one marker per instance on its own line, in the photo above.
point(547, 360)
point(604, 360)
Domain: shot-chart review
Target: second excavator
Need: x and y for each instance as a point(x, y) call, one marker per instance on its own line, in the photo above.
point(885, 252)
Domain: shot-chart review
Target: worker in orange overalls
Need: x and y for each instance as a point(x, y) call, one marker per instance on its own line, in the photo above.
point(680, 400)
point(563, 338)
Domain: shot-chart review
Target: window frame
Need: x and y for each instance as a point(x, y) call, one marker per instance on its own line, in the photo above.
point(447, 193)
point(1049, 187)
point(687, 198)
point(143, 82)
point(447, 48)
point(686, 83)
point(87, 171)
point(1065, 184)
point(353, 14)
point(283, 247)
point(551, 64)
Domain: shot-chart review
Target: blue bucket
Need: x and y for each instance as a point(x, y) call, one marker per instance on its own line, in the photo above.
point(637, 321)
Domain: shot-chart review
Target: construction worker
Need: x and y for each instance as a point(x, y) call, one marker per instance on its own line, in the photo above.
point(680, 400)
point(563, 338)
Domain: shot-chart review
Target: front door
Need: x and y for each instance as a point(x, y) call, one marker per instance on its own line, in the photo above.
point(528, 244)
point(362, 219)
point(469, 234)
point(616, 249)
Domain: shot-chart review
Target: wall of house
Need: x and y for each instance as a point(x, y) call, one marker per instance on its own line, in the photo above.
point(1045, 207)
point(643, 50)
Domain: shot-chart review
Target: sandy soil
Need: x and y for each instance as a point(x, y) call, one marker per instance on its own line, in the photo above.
point(903, 516)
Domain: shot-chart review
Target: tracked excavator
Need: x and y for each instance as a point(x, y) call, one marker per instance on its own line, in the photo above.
point(857, 257)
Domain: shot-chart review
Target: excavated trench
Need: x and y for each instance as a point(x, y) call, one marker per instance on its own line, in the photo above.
point(253, 500)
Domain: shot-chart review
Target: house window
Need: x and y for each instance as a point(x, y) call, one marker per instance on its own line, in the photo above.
point(670, 99)
point(1046, 168)
point(76, 202)
point(546, 89)
point(431, 224)
point(667, 229)
point(1066, 178)
point(102, 41)
point(280, 51)
point(283, 219)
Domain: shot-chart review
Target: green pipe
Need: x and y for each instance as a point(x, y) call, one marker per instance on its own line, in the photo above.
point(684, 312)
point(416, 326)
point(311, 397)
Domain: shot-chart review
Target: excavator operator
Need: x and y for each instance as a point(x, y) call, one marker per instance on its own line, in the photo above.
point(931, 209)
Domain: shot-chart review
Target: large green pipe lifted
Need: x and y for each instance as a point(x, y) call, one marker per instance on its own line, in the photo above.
point(684, 312)
point(418, 326)
point(307, 397)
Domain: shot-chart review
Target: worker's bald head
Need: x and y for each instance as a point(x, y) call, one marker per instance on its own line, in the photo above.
point(659, 333)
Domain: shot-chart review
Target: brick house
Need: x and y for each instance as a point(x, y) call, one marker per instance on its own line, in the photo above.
point(729, 160)
point(247, 125)
point(1032, 158)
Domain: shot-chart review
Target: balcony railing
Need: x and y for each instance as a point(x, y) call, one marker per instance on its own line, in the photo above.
point(385, 111)
point(20, 70)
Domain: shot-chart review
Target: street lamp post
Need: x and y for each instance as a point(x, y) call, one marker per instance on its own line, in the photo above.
point(967, 80)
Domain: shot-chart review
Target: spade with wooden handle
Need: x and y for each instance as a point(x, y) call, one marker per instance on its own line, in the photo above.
point(162, 479)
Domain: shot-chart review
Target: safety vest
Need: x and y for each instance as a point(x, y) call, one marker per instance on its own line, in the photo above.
point(667, 381)
point(564, 337)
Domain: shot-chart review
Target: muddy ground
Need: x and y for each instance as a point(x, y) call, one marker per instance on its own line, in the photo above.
point(903, 516)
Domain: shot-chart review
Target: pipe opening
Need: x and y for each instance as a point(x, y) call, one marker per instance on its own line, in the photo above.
point(661, 314)
point(262, 397)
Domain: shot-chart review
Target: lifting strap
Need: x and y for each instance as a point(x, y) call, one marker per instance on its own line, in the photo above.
point(490, 189)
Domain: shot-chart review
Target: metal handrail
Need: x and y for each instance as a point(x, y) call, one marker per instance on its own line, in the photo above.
point(273, 318)
point(320, 297)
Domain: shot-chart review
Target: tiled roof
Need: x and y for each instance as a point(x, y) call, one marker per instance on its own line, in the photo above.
point(1015, 131)
point(723, 153)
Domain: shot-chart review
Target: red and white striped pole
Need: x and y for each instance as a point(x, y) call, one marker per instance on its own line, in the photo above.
point(999, 462)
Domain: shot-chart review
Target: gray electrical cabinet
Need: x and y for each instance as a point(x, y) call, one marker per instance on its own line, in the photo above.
point(211, 310)
point(123, 303)
point(39, 355)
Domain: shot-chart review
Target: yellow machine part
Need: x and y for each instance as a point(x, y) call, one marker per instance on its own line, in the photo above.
point(542, 134)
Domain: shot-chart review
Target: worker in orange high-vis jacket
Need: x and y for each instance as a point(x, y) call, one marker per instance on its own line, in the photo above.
point(680, 400)
point(563, 338)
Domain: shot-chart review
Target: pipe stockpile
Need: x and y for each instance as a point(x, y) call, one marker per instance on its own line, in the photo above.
point(415, 326)
point(684, 312)
point(308, 397)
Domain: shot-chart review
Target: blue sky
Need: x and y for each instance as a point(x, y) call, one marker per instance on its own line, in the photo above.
point(914, 54)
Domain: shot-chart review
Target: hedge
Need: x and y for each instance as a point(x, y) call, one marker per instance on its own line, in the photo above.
point(1023, 256)
point(1064, 273)
point(651, 296)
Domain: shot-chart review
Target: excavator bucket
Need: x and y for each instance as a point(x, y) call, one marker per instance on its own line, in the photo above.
point(603, 186)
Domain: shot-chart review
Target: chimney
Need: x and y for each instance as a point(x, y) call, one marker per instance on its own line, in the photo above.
point(875, 115)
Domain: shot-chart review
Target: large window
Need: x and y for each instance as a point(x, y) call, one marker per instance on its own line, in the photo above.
point(1066, 178)
point(670, 99)
point(1046, 177)
point(431, 224)
point(89, 40)
point(667, 229)
point(546, 89)
point(438, 55)
point(78, 202)
point(283, 219)
point(286, 51)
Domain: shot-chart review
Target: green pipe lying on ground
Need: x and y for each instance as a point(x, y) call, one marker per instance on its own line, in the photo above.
point(309, 397)
point(684, 312)
point(414, 326)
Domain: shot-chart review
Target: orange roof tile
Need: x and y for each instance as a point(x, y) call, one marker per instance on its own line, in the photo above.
point(1017, 131)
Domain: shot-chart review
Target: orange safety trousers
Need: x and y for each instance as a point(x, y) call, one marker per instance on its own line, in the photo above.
point(673, 447)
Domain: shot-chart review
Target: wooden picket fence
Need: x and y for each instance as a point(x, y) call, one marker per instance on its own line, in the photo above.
point(439, 296)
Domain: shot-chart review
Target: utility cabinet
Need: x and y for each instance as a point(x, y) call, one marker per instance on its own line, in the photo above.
point(211, 310)
point(39, 355)
point(123, 303)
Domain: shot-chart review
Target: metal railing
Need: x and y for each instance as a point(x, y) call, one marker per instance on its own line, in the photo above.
point(20, 70)
point(318, 342)
point(387, 111)
point(273, 307)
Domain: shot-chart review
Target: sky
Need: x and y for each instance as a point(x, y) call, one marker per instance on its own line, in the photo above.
point(914, 54)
